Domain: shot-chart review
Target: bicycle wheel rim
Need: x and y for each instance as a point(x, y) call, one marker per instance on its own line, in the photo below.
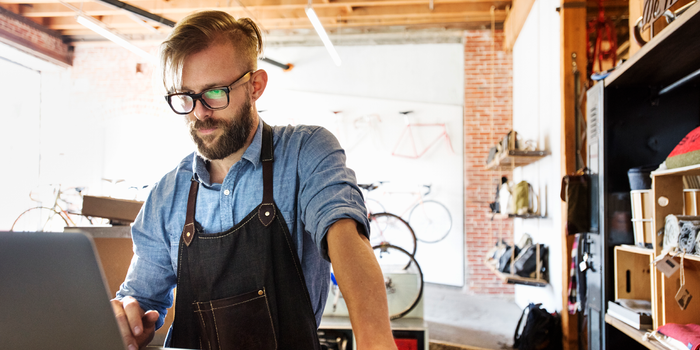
point(402, 276)
point(431, 221)
point(41, 219)
point(392, 229)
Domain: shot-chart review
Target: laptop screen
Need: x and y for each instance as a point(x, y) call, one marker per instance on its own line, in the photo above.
point(53, 294)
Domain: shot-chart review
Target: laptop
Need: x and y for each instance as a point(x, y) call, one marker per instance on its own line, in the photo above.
point(53, 294)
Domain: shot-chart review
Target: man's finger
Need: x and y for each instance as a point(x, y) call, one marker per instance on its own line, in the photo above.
point(123, 323)
point(150, 318)
point(134, 314)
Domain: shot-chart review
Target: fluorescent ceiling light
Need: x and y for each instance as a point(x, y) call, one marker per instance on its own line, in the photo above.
point(96, 26)
point(322, 33)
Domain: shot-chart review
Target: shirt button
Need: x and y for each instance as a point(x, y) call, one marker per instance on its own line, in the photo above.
point(227, 192)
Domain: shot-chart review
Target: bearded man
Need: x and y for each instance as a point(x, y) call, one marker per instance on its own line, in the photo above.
point(246, 226)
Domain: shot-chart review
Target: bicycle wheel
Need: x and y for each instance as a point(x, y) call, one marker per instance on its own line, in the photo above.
point(403, 279)
point(373, 206)
point(39, 219)
point(390, 228)
point(431, 221)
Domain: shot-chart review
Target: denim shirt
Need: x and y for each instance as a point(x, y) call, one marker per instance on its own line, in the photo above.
point(312, 188)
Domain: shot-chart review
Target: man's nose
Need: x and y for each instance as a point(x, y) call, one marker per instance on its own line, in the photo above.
point(201, 112)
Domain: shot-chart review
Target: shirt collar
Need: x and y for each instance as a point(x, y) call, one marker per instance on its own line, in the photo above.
point(251, 154)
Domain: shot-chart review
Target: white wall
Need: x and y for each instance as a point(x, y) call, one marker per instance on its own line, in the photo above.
point(537, 116)
point(88, 139)
point(372, 85)
point(20, 140)
point(429, 73)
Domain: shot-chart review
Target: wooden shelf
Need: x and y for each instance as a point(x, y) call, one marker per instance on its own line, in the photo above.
point(634, 333)
point(671, 55)
point(499, 216)
point(527, 216)
point(515, 279)
point(635, 249)
point(513, 159)
point(692, 170)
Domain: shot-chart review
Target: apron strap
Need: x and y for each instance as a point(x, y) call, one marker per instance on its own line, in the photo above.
point(266, 211)
point(188, 231)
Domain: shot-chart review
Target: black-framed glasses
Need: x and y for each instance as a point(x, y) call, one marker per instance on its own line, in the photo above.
point(214, 98)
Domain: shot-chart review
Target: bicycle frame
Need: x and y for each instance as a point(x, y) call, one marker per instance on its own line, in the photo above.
point(418, 197)
point(408, 130)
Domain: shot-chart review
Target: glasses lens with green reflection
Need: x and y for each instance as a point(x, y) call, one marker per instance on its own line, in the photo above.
point(216, 98)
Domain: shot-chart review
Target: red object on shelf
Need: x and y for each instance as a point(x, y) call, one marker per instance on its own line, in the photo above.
point(407, 344)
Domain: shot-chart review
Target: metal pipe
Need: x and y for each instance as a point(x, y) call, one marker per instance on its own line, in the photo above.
point(138, 12)
point(275, 63)
point(680, 82)
point(153, 17)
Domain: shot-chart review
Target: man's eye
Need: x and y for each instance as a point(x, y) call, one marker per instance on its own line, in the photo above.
point(215, 94)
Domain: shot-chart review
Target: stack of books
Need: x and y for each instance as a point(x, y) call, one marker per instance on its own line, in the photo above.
point(636, 313)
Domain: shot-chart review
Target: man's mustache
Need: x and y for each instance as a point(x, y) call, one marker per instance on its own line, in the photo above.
point(208, 123)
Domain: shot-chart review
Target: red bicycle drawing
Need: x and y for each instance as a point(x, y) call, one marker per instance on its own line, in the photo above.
point(409, 137)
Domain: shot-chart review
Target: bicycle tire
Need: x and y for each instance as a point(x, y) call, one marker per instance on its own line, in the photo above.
point(42, 221)
point(402, 302)
point(391, 228)
point(431, 221)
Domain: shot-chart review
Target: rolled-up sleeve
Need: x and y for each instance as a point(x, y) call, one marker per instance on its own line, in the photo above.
point(151, 276)
point(328, 189)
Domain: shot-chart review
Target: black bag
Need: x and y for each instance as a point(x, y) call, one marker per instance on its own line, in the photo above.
point(576, 192)
point(542, 330)
point(504, 259)
point(526, 262)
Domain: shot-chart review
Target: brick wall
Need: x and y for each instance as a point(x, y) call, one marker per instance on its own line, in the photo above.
point(110, 70)
point(35, 39)
point(482, 129)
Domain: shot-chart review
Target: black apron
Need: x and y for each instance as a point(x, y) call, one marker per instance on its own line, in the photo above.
point(242, 288)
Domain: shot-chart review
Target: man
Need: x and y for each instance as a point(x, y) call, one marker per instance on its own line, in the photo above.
point(245, 226)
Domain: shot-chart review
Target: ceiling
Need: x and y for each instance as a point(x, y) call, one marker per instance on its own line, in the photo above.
point(427, 20)
point(274, 16)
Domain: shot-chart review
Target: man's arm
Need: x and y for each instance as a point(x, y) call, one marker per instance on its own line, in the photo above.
point(362, 284)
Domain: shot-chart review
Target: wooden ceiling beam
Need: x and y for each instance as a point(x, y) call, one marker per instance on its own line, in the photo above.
point(95, 10)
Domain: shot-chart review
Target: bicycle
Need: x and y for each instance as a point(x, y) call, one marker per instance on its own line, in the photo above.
point(403, 278)
point(54, 218)
point(386, 227)
point(408, 130)
point(372, 205)
point(429, 219)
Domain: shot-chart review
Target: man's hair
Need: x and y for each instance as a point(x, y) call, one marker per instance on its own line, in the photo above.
point(198, 31)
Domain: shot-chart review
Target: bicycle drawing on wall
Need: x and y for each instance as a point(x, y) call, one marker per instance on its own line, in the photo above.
point(407, 139)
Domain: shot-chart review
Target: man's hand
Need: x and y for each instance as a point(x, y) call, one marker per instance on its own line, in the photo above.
point(137, 327)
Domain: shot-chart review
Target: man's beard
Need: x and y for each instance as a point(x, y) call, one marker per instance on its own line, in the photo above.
point(234, 137)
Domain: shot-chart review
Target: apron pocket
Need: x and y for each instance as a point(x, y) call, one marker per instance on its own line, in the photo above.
point(240, 322)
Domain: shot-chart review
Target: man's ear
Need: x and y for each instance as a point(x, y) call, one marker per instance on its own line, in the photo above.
point(259, 81)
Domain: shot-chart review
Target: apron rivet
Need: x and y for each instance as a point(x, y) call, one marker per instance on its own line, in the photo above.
point(260, 292)
point(267, 213)
point(188, 234)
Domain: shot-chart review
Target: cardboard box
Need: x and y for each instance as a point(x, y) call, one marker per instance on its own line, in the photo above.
point(121, 210)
